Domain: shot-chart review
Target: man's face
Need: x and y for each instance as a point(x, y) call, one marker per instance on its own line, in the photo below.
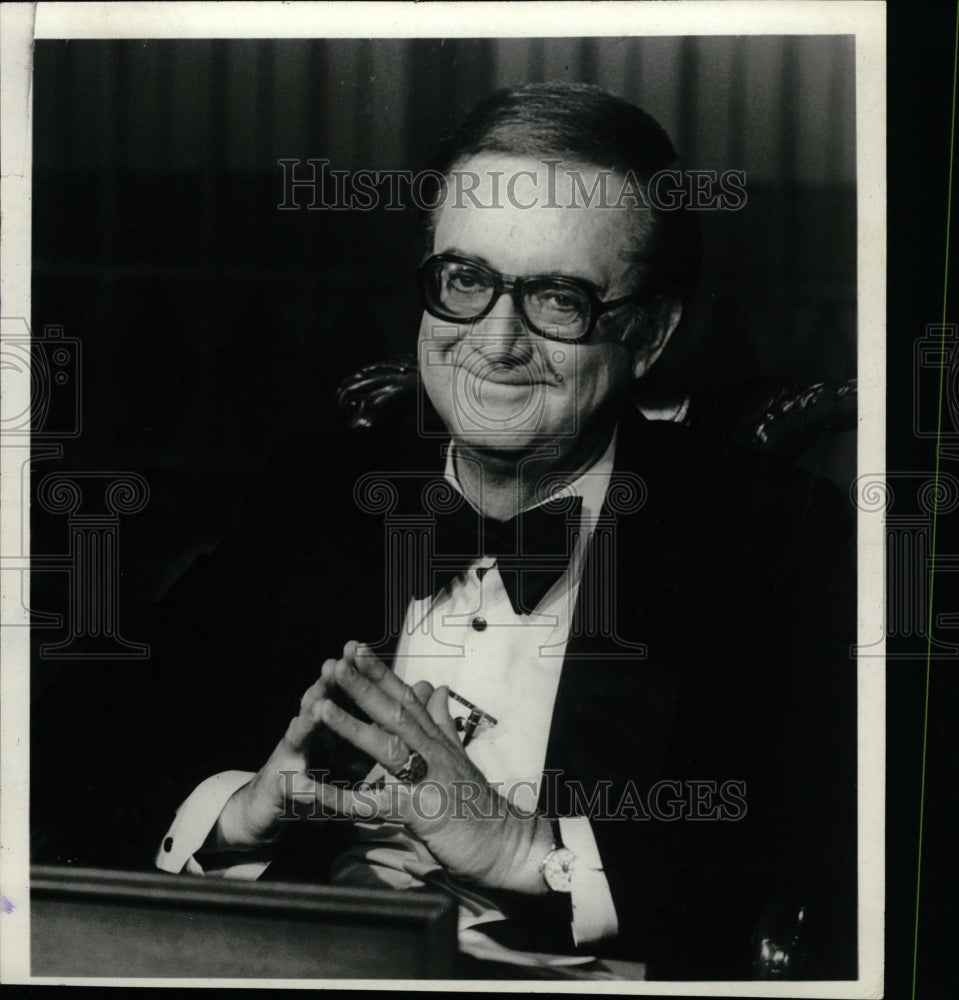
point(497, 385)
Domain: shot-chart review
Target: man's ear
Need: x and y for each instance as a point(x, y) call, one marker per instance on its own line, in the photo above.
point(658, 327)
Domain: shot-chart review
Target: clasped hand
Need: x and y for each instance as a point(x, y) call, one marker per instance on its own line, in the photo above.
point(471, 830)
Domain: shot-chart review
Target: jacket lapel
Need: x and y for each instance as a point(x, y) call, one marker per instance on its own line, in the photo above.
point(623, 671)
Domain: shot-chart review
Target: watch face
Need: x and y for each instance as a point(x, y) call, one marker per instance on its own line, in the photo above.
point(558, 869)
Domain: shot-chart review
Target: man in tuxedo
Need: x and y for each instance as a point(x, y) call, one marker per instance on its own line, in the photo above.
point(587, 673)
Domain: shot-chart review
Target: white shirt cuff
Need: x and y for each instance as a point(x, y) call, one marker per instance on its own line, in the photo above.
point(192, 824)
point(594, 914)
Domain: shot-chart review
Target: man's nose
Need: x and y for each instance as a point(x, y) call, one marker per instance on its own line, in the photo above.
point(502, 330)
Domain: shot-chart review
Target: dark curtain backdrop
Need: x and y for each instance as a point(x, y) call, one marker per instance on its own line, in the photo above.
point(211, 323)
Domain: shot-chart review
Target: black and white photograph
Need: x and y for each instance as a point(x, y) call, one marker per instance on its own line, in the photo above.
point(447, 448)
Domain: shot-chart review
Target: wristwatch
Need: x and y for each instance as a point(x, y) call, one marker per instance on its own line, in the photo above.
point(558, 866)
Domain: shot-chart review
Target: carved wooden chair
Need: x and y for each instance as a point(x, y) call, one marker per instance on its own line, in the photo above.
point(777, 418)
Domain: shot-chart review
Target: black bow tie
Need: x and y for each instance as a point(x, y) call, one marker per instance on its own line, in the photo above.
point(531, 550)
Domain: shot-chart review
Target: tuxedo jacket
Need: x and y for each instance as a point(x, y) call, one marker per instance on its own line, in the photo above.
point(709, 651)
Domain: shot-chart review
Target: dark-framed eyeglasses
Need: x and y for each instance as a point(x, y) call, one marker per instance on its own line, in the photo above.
point(460, 290)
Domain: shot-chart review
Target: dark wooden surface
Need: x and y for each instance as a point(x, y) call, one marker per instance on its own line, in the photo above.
point(90, 922)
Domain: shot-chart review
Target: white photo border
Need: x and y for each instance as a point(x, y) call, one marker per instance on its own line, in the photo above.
point(22, 23)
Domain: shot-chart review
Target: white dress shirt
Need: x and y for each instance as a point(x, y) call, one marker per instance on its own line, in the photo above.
point(508, 665)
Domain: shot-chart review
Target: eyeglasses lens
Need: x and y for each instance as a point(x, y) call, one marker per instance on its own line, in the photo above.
point(552, 306)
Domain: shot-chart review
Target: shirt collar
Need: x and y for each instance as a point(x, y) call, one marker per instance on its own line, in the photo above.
point(591, 485)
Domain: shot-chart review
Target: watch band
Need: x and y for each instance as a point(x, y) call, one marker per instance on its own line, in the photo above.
point(557, 833)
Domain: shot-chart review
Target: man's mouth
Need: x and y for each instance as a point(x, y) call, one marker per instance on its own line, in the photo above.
point(504, 369)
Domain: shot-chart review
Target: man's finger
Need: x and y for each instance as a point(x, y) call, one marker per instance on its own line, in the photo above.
point(363, 803)
point(438, 707)
point(400, 714)
point(320, 688)
point(302, 727)
point(423, 691)
point(350, 648)
point(299, 787)
point(389, 749)
point(370, 666)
